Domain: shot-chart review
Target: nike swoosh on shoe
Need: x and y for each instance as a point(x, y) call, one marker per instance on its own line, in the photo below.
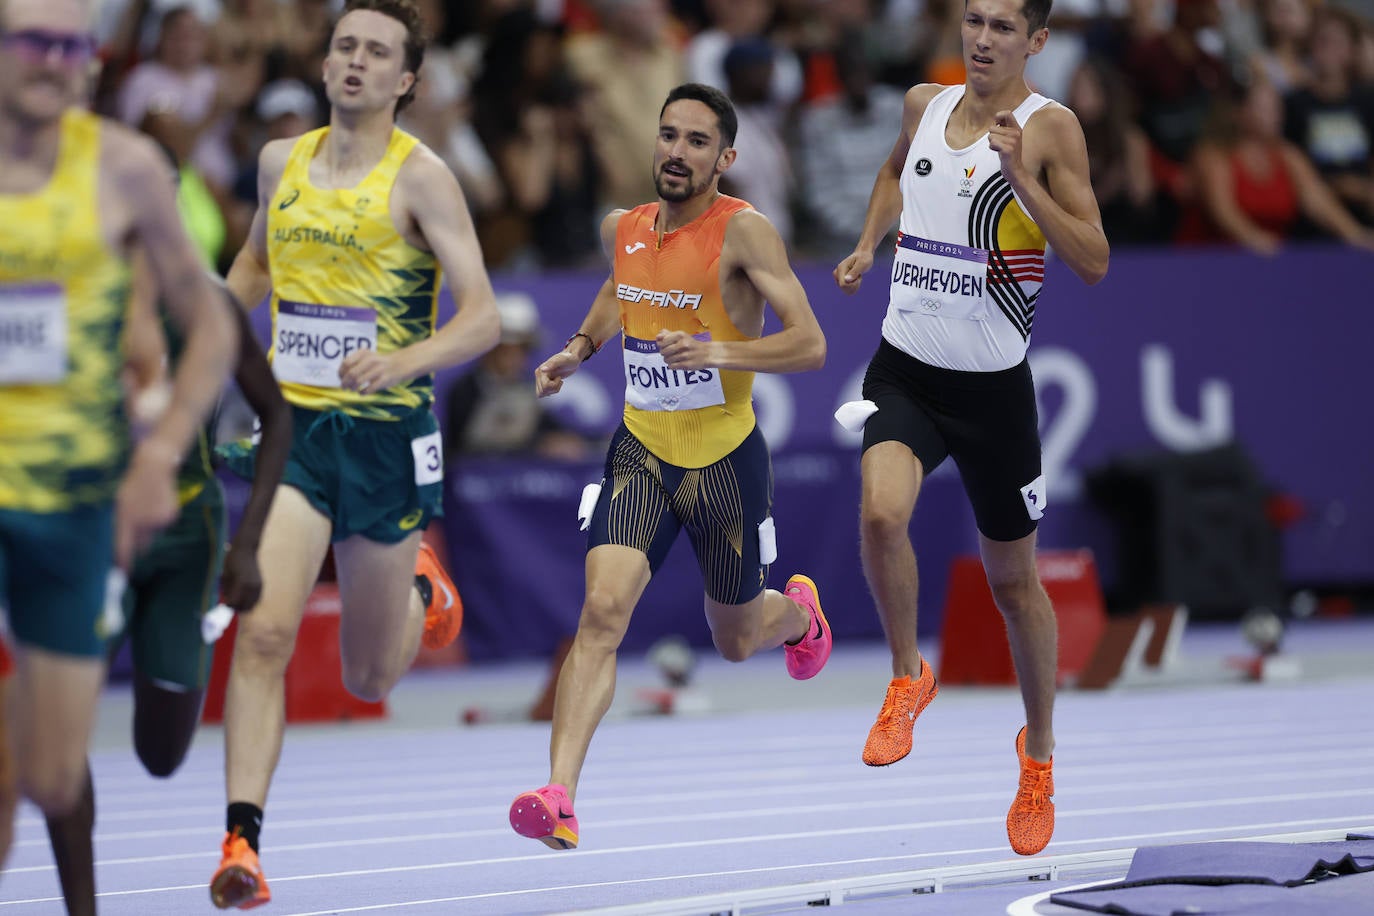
point(448, 595)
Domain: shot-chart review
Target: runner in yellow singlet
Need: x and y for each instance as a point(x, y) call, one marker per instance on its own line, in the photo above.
point(77, 194)
point(190, 567)
point(355, 222)
point(690, 276)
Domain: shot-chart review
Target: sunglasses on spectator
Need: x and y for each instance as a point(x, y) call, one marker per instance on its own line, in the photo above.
point(36, 45)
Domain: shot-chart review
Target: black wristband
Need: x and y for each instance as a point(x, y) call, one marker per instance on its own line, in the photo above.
point(591, 343)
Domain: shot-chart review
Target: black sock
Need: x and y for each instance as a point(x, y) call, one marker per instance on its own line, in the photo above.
point(247, 820)
point(70, 836)
point(425, 589)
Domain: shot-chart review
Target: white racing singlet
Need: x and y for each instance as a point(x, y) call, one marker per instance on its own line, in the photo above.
point(969, 261)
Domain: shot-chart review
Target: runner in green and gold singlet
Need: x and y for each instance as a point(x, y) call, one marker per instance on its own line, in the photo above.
point(343, 277)
point(177, 580)
point(63, 292)
point(64, 439)
point(354, 223)
point(76, 193)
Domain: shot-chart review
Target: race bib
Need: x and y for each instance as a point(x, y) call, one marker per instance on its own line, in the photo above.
point(651, 385)
point(940, 279)
point(429, 458)
point(313, 340)
point(33, 334)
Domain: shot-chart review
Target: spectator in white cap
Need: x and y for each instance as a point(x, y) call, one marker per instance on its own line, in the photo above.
point(285, 108)
point(493, 410)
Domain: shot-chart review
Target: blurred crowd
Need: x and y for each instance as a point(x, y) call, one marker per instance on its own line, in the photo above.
point(1248, 122)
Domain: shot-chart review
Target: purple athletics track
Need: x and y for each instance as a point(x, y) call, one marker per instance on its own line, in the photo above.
point(762, 791)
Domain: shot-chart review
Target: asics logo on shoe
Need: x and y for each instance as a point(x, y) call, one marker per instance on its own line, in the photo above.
point(564, 816)
point(631, 249)
point(819, 633)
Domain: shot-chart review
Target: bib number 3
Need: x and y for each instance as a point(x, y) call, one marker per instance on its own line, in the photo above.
point(429, 458)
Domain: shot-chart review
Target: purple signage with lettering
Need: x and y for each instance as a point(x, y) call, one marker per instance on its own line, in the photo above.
point(944, 249)
point(311, 310)
point(1177, 350)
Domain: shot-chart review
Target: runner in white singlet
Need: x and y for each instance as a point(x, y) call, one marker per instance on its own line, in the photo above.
point(984, 177)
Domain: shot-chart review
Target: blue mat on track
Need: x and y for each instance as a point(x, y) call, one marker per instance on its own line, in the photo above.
point(1220, 879)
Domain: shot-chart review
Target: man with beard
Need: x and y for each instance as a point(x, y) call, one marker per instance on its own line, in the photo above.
point(690, 275)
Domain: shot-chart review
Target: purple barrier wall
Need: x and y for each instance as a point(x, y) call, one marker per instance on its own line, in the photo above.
point(1177, 350)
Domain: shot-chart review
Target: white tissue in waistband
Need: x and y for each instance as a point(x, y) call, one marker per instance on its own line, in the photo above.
point(590, 494)
point(112, 614)
point(852, 415)
point(215, 622)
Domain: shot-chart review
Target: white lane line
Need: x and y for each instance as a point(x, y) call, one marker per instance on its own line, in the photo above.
point(935, 742)
point(1128, 838)
point(883, 803)
point(1083, 775)
point(1026, 905)
point(734, 872)
point(1226, 833)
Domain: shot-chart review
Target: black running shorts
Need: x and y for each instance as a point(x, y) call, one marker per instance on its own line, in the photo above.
point(725, 508)
point(986, 421)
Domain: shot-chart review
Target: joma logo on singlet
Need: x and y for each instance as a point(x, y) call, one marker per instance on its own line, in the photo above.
point(337, 237)
point(674, 298)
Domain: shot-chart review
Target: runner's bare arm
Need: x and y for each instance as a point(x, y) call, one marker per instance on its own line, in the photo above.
point(145, 347)
point(241, 583)
point(248, 279)
point(441, 213)
point(603, 318)
point(885, 203)
point(147, 498)
point(601, 324)
point(1064, 206)
point(753, 246)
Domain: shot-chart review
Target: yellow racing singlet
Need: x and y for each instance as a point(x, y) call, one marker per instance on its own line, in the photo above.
point(690, 418)
point(344, 278)
point(64, 438)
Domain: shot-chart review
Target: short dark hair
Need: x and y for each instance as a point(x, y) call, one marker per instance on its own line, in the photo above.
point(713, 99)
point(407, 14)
point(1037, 13)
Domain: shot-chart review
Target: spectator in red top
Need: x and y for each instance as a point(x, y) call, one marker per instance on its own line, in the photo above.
point(1253, 185)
